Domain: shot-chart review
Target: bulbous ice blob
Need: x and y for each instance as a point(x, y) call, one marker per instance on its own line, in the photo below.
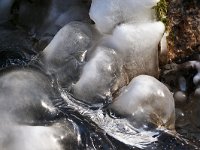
point(108, 13)
point(72, 39)
point(98, 77)
point(26, 95)
point(137, 45)
point(59, 136)
point(64, 55)
point(146, 100)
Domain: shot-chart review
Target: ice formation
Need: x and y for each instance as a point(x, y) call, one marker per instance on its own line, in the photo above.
point(129, 48)
point(133, 34)
point(146, 100)
point(109, 13)
point(92, 65)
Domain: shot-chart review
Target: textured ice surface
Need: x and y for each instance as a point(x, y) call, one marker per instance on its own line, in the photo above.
point(99, 76)
point(147, 101)
point(108, 13)
point(64, 55)
point(72, 39)
point(137, 46)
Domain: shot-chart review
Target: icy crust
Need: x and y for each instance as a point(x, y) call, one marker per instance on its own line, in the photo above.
point(137, 45)
point(109, 13)
point(146, 100)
